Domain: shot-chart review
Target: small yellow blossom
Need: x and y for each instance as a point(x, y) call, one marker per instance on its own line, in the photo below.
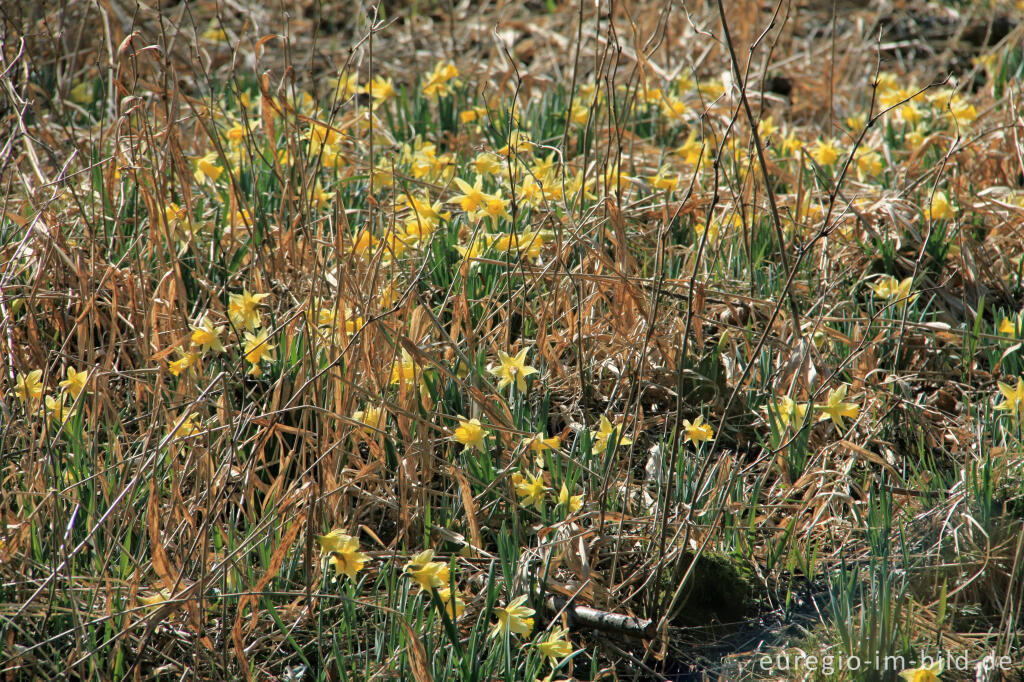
point(186, 428)
point(404, 370)
point(606, 433)
point(889, 287)
point(75, 383)
point(835, 408)
point(472, 198)
point(471, 434)
point(486, 163)
point(206, 167)
point(1014, 397)
point(373, 416)
point(698, 431)
point(555, 647)
point(207, 336)
point(825, 152)
point(152, 601)
point(256, 347)
point(427, 572)
point(58, 410)
point(380, 89)
point(1009, 327)
point(512, 369)
point(186, 361)
point(940, 208)
point(344, 553)
point(537, 443)
point(242, 310)
point(29, 387)
point(454, 607)
point(437, 82)
point(531, 490)
point(928, 673)
point(573, 503)
point(787, 411)
point(869, 164)
point(514, 618)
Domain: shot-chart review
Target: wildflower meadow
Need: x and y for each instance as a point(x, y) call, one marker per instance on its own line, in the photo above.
point(454, 340)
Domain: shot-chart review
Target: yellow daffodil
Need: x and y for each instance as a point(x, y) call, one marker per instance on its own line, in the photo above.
point(471, 434)
point(472, 198)
point(75, 382)
point(940, 208)
point(207, 336)
point(889, 287)
point(186, 428)
point(455, 607)
point(869, 164)
point(380, 89)
point(691, 149)
point(57, 410)
point(698, 431)
point(373, 416)
point(835, 408)
point(344, 553)
point(572, 503)
point(486, 163)
point(256, 347)
point(537, 443)
point(512, 369)
point(606, 433)
point(427, 572)
point(664, 179)
point(29, 387)
point(928, 673)
point(555, 647)
point(1009, 327)
point(1014, 397)
point(788, 411)
point(437, 82)
point(791, 144)
point(242, 310)
point(206, 167)
point(404, 370)
point(514, 618)
point(530, 489)
point(186, 361)
point(825, 152)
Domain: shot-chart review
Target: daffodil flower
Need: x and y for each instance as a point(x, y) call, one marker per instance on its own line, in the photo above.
point(514, 618)
point(698, 431)
point(471, 434)
point(186, 361)
point(343, 551)
point(207, 336)
point(1014, 397)
point(928, 673)
point(555, 647)
point(531, 490)
point(835, 408)
point(512, 369)
point(453, 604)
point(427, 572)
point(940, 208)
point(29, 387)
point(572, 503)
point(75, 382)
point(242, 310)
point(606, 433)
